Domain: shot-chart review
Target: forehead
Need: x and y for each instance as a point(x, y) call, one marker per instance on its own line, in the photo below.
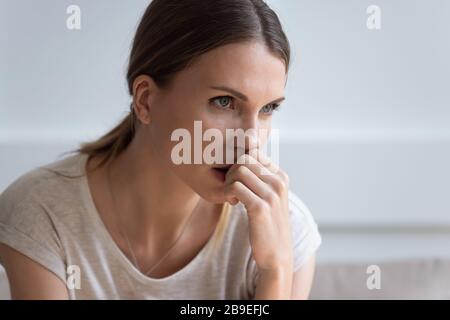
point(247, 67)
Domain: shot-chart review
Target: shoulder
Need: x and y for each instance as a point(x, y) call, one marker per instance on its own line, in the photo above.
point(306, 235)
point(23, 191)
point(39, 187)
point(33, 211)
point(299, 211)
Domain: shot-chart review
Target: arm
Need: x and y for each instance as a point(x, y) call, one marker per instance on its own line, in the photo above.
point(274, 285)
point(303, 279)
point(30, 280)
point(285, 285)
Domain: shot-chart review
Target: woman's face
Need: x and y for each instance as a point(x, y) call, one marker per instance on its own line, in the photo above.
point(236, 86)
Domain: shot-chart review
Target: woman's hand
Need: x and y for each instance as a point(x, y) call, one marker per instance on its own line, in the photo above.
point(263, 189)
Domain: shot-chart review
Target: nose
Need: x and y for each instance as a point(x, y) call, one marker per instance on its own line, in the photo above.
point(250, 126)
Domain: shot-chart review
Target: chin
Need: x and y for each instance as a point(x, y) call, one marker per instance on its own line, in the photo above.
point(210, 186)
point(213, 194)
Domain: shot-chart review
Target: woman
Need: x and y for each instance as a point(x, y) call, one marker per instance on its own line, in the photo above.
point(121, 219)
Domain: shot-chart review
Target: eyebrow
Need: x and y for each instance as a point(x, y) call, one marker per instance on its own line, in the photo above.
point(240, 95)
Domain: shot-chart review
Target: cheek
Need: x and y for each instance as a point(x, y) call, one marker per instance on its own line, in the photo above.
point(212, 117)
point(165, 123)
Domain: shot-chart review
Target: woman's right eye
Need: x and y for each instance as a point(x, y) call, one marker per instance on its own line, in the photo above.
point(222, 102)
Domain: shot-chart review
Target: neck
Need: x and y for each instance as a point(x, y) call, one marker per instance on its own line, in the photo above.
point(152, 203)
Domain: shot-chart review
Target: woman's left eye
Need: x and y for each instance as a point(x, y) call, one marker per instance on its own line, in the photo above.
point(268, 109)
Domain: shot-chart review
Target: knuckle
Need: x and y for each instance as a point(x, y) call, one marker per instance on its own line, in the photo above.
point(272, 199)
point(241, 171)
point(278, 185)
point(236, 186)
point(285, 177)
point(259, 207)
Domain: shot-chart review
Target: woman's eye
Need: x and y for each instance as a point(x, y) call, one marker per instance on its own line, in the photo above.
point(268, 109)
point(225, 102)
point(222, 102)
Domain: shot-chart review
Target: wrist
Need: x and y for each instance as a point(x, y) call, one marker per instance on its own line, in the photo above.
point(274, 284)
point(278, 269)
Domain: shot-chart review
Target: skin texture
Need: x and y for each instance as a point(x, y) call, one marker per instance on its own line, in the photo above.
point(153, 191)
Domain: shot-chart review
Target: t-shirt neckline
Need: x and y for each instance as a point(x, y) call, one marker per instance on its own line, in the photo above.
point(112, 245)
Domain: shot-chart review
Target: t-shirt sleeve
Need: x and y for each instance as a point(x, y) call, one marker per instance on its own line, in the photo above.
point(305, 236)
point(305, 233)
point(26, 225)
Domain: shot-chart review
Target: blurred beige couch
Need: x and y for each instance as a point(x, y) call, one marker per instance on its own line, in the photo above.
point(406, 279)
point(403, 279)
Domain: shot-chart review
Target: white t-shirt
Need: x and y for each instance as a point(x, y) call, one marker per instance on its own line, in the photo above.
point(53, 220)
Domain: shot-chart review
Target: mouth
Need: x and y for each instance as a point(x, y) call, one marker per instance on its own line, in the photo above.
point(223, 168)
point(221, 171)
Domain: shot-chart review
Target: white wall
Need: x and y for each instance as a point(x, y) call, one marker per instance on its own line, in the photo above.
point(365, 128)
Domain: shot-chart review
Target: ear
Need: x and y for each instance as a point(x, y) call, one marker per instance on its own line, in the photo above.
point(144, 91)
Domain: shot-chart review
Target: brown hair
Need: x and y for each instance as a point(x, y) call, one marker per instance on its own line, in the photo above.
point(170, 36)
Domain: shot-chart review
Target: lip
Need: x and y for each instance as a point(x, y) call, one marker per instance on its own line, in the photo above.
point(224, 167)
point(220, 172)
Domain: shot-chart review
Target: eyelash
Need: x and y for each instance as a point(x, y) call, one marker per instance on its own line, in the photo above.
point(275, 106)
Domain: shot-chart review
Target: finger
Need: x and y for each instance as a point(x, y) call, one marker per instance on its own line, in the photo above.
point(245, 175)
point(276, 182)
point(258, 156)
point(250, 200)
point(270, 173)
point(266, 161)
point(272, 167)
